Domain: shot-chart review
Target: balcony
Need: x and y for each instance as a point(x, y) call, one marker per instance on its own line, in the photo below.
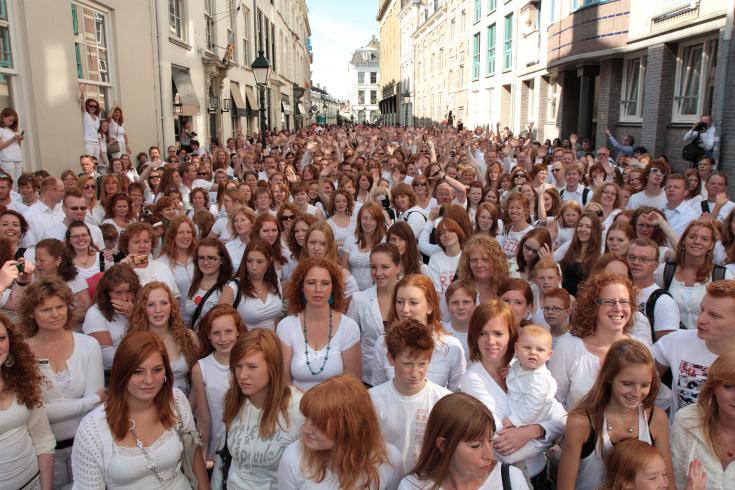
point(665, 9)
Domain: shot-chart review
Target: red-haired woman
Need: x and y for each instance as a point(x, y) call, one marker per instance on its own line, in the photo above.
point(319, 340)
point(210, 377)
point(118, 132)
point(415, 297)
point(261, 412)
point(443, 265)
point(267, 229)
point(602, 315)
point(211, 273)
point(577, 256)
point(134, 439)
point(517, 215)
point(492, 335)
point(341, 445)
point(87, 184)
point(11, 157)
point(320, 243)
point(157, 310)
point(619, 406)
point(71, 363)
point(369, 231)
point(177, 254)
point(26, 441)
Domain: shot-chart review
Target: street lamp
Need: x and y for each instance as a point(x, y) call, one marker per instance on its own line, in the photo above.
point(326, 114)
point(261, 70)
point(406, 101)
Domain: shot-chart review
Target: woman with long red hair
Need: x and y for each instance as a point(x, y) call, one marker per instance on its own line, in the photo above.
point(261, 413)
point(341, 445)
point(134, 439)
point(370, 230)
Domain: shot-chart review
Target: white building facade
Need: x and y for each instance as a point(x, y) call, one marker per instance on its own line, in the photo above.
point(364, 75)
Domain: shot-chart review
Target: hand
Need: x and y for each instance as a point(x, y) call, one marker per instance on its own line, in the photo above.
point(507, 423)
point(545, 250)
point(8, 274)
point(102, 393)
point(597, 181)
point(434, 213)
point(28, 269)
point(653, 218)
point(18, 137)
point(509, 440)
point(696, 477)
point(107, 254)
point(607, 132)
point(573, 138)
point(311, 145)
point(125, 308)
point(721, 199)
point(553, 229)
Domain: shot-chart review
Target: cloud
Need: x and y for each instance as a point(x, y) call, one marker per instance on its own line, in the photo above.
point(336, 34)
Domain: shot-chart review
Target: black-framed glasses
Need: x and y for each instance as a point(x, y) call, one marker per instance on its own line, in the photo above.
point(287, 217)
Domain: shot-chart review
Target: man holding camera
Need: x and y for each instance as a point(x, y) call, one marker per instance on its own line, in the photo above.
point(699, 140)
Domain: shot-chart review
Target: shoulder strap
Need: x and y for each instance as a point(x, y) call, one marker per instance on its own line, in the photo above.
point(505, 476)
point(102, 262)
point(405, 216)
point(561, 192)
point(651, 307)
point(718, 273)
point(198, 311)
point(238, 296)
point(585, 195)
point(669, 271)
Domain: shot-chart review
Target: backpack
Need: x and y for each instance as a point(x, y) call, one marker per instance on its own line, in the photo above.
point(692, 151)
point(585, 194)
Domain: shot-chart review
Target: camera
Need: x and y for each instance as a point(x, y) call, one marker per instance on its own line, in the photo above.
point(19, 266)
point(700, 127)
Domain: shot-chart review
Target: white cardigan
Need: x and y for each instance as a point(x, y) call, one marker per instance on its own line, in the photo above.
point(365, 310)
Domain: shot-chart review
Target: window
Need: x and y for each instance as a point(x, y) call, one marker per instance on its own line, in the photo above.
point(695, 80)
point(90, 29)
point(476, 56)
point(478, 11)
point(508, 43)
point(489, 104)
point(373, 97)
point(373, 77)
point(273, 47)
point(491, 50)
point(631, 104)
point(231, 12)
point(551, 99)
point(246, 37)
point(578, 4)
point(491, 6)
point(209, 24)
point(531, 100)
point(361, 77)
point(175, 15)
point(6, 55)
point(361, 97)
point(259, 28)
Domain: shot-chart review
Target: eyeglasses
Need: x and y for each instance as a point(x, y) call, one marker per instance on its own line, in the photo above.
point(207, 258)
point(77, 208)
point(609, 302)
point(642, 260)
point(555, 170)
point(201, 174)
point(519, 176)
point(155, 177)
point(287, 217)
point(552, 309)
point(92, 106)
point(78, 237)
point(89, 186)
point(419, 184)
point(656, 171)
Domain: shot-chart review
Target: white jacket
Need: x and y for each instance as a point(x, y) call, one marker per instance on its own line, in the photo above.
point(688, 443)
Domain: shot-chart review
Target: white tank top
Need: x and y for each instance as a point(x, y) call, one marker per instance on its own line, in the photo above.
point(591, 471)
point(216, 378)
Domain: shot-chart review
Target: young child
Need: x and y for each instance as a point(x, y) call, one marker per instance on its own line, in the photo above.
point(636, 465)
point(546, 276)
point(566, 223)
point(531, 388)
point(557, 307)
point(404, 403)
point(461, 301)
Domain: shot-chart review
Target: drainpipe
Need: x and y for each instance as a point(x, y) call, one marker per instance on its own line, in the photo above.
point(724, 54)
point(158, 89)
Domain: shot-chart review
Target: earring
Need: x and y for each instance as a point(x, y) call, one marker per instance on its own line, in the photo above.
point(164, 379)
point(331, 299)
point(9, 362)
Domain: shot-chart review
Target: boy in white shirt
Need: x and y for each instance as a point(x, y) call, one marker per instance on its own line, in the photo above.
point(557, 308)
point(404, 403)
point(531, 388)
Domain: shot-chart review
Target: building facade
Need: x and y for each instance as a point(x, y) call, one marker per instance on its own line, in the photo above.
point(325, 107)
point(390, 62)
point(364, 74)
point(408, 20)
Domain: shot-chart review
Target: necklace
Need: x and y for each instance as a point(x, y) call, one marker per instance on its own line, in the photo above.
point(150, 464)
point(629, 430)
point(306, 346)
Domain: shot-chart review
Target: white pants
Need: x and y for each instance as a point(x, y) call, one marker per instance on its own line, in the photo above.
point(92, 148)
point(14, 169)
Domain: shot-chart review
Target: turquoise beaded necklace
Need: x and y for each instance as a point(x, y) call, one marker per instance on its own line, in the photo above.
point(306, 346)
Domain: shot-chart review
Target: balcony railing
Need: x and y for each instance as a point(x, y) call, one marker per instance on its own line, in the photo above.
point(667, 8)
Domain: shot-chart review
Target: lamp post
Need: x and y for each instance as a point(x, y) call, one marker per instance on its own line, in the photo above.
point(261, 70)
point(326, 114)
point(406, 101)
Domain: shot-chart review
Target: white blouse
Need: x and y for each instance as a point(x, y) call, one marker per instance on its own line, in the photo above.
point(345, 335)
point(257, 313)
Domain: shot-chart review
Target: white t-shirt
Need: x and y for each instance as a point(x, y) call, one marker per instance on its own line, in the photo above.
point(90, 127)
point(509, 242)
point(403, 418)
point(446, 367)
point(235, 248)
point(94, 322)
point(191, 304)
point(461, 336)
point(689, 358)
point(574, 368)
point(640, 199)
point(256, 313)
point(442, 269)
point(365, 310)
point(157, 271)
point(530, 394)
point(291, 476)
point(359, 263)
point(493, 482)
point(345, 334)
point(12, 152)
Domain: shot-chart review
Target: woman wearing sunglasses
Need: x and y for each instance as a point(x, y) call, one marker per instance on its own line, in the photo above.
point(90, 123)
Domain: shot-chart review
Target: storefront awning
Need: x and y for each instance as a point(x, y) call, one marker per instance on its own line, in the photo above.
point(300, 109)
point(251, 98)
point(187, 94)
point(240, 106)
point(286, 107)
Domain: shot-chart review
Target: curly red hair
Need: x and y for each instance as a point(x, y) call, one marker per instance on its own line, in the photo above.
point(584, 314)
point(294, 296)
point(22, 378)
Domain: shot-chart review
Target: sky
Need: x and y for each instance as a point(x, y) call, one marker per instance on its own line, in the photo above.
point(338, 28)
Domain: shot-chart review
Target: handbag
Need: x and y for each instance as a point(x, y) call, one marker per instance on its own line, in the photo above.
point(114, 146)
point(693, 151)
point(191, 441)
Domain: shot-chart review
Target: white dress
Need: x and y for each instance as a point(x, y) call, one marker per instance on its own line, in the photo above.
point(344, 336)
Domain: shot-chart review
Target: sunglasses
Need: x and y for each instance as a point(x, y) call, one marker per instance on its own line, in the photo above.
point(287, 217)
point(201, 174)
point(78, 208)
point(92, 106)
point(89, 186)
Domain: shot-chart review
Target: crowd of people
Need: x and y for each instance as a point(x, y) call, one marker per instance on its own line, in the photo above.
point(365, 307)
